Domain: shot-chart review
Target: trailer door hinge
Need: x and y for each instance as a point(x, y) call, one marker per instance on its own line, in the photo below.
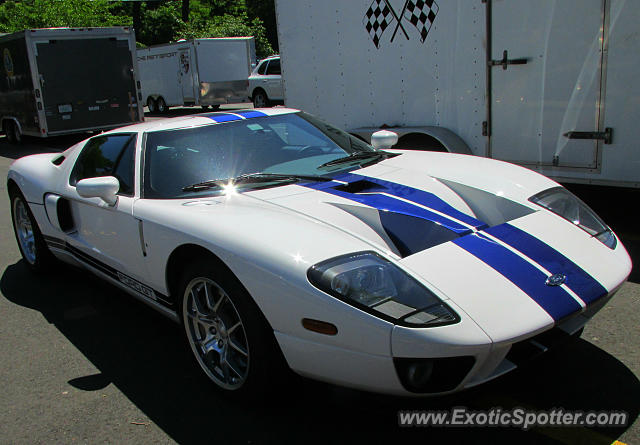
point(606, 135)
point(505, 61)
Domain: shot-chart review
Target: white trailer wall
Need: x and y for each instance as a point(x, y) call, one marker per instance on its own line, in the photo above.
point(332, 68)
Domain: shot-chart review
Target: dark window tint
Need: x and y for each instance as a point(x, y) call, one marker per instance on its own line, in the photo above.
point(263, 67)
point(274, 67)
point(107, 156)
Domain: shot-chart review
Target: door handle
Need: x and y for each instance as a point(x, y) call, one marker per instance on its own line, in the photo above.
point(606, 135)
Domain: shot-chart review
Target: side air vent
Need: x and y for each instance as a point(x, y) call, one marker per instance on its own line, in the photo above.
point(64, 215)
point(59, 160)
point(360, 187)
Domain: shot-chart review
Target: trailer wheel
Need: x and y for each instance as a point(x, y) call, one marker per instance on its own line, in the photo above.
point(161, 105)
point(12, 131)
point(152, 105)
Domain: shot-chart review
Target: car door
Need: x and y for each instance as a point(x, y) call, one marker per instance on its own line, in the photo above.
point(274, 80)
point(107, 237)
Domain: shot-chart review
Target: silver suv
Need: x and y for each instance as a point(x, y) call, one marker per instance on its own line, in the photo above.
point(265, 83)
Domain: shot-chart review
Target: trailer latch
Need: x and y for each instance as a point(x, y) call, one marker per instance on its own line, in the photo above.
point(606, 135)
point(505, 61)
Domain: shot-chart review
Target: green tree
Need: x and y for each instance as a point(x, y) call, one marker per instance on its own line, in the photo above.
point(20, 15)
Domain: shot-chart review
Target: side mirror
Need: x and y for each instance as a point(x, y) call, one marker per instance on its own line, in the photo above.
point(384, 139)
point(104, 187)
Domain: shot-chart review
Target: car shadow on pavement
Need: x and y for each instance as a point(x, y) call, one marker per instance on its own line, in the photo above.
point(144, 355)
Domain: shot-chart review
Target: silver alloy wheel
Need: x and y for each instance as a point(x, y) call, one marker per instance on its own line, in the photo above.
point(216, 333)
point(24, 229)
point(259, 100)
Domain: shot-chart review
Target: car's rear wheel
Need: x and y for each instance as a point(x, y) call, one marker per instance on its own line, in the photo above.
point(260, 99)
point(227, 334)
point(161, 105)
point(152, 105)
point(32, 246)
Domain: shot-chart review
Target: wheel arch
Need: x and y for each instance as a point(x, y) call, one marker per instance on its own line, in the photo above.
point(259, 89)
point(186, 253)
point(13, 119)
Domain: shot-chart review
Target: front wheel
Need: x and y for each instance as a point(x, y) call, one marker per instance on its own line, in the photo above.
point(228, 336)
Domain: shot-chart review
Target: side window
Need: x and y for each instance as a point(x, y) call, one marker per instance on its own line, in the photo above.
point(107, 156)
point(274, 67)
point(263, 68)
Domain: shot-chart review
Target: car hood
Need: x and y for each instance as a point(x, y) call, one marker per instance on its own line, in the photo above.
point(473, 238)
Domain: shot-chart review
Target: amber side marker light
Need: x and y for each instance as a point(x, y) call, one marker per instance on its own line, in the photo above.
point(321, 327)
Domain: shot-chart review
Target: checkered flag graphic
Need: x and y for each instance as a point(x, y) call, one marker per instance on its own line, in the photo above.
point(421, 14)
point(378, 18)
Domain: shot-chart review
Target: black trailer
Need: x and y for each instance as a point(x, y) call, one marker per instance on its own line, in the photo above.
point(68, 80)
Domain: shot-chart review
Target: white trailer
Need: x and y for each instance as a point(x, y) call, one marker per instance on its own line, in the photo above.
point(206, 72)
point(58, 81)
point(551, 85)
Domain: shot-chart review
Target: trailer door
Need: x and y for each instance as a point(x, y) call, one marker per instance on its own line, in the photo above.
point(186, 75)
point(546, 81)
point(86, 83)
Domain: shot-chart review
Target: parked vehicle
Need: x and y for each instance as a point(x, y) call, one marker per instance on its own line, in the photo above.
point(269, 233)
point(205, 72)
point(548, 85)
point(67, 80)
point(265, 83)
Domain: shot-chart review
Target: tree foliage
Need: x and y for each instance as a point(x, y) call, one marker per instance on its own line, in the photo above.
point(155, 21)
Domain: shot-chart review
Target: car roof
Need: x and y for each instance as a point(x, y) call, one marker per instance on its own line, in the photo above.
point(197, 120)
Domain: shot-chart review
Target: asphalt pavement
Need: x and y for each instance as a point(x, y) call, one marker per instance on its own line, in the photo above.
point(82, 362)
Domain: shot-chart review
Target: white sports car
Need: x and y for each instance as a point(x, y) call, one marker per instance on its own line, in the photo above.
point(269, 234)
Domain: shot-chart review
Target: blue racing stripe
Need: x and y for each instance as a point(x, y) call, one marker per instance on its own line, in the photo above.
point(557, 302)
point(426, 199)
point(414, 195)
point(579, 281)
point(251, 113)
point(374, 199)
point(223, 117)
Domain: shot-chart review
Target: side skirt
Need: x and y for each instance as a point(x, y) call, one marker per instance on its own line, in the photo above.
point(141, 292)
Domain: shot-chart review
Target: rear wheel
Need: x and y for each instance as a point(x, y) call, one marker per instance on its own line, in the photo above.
point(161, 105)
point(151, 105)
point(260, 99)
point(230, 339)
point(32, 246)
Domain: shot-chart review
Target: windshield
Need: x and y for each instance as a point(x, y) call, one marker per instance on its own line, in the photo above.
point(295, 145)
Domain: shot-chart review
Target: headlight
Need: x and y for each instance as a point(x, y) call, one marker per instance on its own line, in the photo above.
point(377, 286)
point(565, 204)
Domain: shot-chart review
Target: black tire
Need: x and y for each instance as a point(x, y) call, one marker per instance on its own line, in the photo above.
point(211, 329)
point(260, 99)
point(33, 248)
point(161, 105)
point(152, 105)
point(12, 132)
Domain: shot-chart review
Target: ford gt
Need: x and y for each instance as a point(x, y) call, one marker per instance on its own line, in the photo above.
point(275, 238)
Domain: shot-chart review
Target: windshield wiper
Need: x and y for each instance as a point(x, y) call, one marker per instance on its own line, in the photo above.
point(357, 156)
point(252, 178)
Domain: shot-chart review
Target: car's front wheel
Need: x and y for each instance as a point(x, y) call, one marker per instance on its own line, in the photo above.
point(228, 335)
